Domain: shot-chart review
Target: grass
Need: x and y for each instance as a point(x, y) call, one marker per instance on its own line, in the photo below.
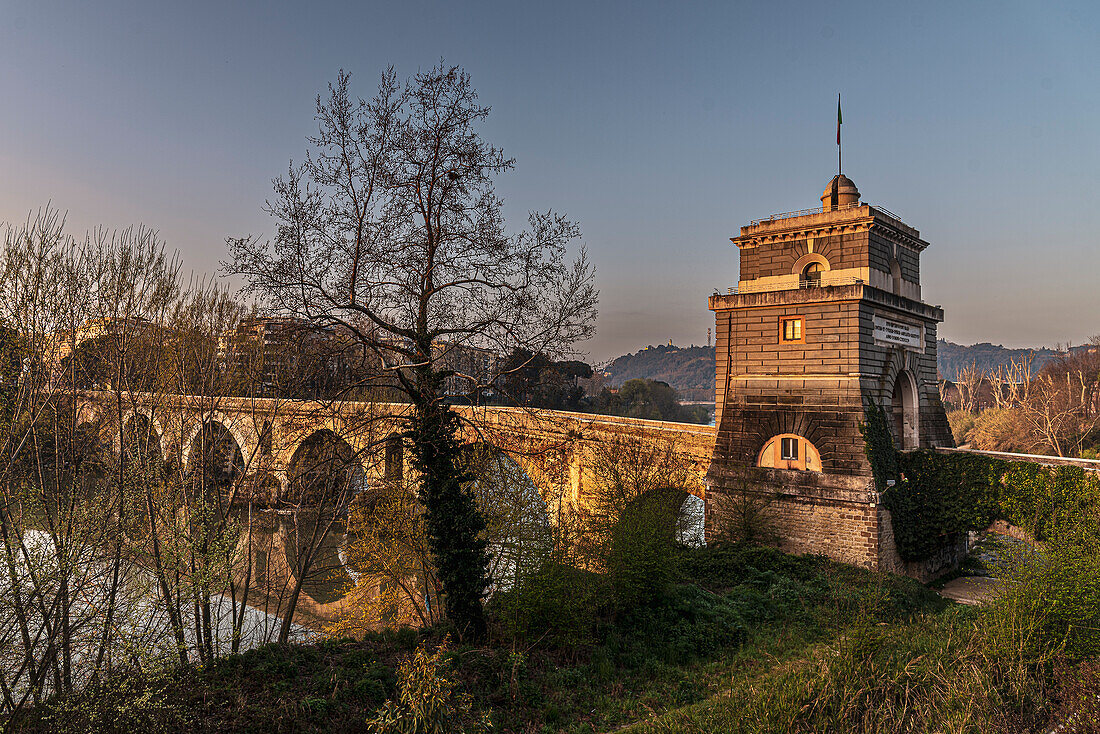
point(731, 614)
point(747, 639)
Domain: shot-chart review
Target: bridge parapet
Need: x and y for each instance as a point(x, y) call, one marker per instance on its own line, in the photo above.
point(1092, 465)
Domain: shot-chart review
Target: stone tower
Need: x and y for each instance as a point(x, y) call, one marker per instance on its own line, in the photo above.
point(827, 315)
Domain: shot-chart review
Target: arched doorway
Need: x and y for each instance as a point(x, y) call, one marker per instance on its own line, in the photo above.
point(905, 411)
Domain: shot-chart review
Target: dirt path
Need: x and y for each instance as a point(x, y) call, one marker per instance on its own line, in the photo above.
point(970, 589)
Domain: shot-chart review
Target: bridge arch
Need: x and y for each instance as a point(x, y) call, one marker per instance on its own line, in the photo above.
point(136, 418)
point(142, 434)
point(235, 425)
point(517, 516)
point(352, 435)
point(222, 460)
point(320, 465)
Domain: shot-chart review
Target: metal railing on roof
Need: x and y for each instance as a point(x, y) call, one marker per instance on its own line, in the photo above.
point(822, 210)
point(751, 287)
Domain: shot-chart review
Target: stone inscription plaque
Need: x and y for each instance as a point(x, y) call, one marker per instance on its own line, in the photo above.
point(888, 331)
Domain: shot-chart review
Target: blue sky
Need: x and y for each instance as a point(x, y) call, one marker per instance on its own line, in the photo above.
point(660, 127)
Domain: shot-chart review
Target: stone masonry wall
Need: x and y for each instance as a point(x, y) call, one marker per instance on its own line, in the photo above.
point(801, 512)
point(759, 367)
point(842, 251)
point(805, 512)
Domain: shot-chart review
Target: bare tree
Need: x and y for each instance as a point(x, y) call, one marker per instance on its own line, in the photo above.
point(1058, 405)
point(392, 231)
point(969, 383)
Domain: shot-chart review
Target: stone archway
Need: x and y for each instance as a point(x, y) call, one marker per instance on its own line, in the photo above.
point(142, 438)
point(905, 411)
point(214, 455)
point(324, 468)
point(244, 436)
point(516, 513)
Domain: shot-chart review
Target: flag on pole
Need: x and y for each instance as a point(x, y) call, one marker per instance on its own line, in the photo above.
point(839, 119)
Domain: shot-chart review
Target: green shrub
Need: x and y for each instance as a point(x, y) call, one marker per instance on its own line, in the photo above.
point(555, 602)
point(428, 702)
point(640, 560)
point(688, 623)
point(125, 702)
point(1046, 502)
point(1050, 605)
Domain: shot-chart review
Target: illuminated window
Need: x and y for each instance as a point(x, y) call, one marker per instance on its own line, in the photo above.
point(792, 330)
point(788, 449)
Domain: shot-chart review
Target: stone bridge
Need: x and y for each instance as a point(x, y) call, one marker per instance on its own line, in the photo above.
point(554, 448)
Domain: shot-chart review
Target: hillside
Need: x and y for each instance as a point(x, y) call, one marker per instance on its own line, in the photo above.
point(688, 369)
point(950, 357)
point(691, 369)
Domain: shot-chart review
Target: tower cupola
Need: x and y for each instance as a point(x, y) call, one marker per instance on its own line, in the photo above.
point(841, 193)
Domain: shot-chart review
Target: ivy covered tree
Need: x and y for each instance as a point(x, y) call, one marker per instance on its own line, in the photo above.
point(391, 229)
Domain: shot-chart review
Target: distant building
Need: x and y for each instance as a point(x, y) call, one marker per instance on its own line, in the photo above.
point(475, 369)
point(290, 357)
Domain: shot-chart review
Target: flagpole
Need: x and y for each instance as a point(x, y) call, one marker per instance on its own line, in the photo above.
point(839, 149)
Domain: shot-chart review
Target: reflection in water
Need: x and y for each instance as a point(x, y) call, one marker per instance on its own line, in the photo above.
point(518, 530)
point(692, 525)
point(141, 629)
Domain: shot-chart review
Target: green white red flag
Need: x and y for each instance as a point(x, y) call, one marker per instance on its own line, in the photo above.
point(839, 119)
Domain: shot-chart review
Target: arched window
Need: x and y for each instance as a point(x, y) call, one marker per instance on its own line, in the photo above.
point(812, 273)
point(789, 451)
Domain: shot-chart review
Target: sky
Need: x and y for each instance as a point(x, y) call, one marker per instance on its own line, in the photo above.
point(661, 128)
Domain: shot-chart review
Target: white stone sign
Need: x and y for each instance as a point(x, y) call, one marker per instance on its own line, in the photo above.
point(889, 331)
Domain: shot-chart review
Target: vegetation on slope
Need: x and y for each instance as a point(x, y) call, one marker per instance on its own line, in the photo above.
point(951, 358)
point(727, 614)
point(745, 639)
point(690, 370)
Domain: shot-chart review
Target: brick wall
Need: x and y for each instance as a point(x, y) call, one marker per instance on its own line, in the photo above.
point(805, 512)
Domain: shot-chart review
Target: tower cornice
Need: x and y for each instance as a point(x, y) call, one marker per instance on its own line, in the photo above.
point(818, 223)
